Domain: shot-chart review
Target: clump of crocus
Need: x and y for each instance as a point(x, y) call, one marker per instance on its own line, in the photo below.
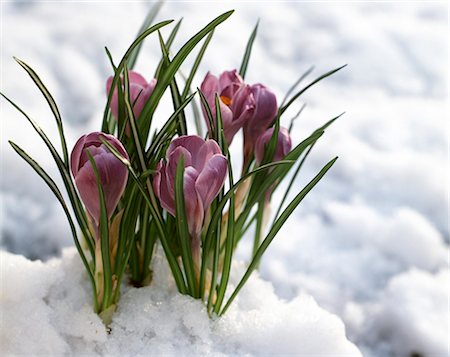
point(204, 175)
point(236, 100)
point(140, 92)
point(113, 174)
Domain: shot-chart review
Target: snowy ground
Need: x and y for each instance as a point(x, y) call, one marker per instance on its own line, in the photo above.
point(371, 242)
point(155, 320)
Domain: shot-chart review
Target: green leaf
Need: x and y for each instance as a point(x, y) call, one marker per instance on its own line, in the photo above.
point(127, 54)
point(182, 228)
point(54, 188)
point(298, 94)
point(169, 42)
point(229, 246)
point(104, 238)
point(275, 228)
point(73, 196)
point(52, 104)
point(114, 68)
point(248, 51)
point(165, 133)
point(196, 64)
point(297, 82)
point(160, 224)
point(209, 116)
point(176, 97)
point(169, 73)
point(300, 165)
point(145, 25)
point(294, 118)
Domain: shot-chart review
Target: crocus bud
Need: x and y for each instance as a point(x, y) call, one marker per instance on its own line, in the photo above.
point(204, 175)
point(113, 174)
point(263, 115)
point(283, 147)
point(140, 92)
point(235, 98)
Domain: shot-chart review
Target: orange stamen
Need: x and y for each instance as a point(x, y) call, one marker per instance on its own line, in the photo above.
point(225, 100)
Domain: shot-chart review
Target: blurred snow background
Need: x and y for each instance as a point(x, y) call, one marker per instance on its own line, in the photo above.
point(370, 243)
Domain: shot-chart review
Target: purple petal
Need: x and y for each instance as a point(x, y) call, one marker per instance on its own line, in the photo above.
point(136, 78)
point(161, 187)
point(284, 144)
point(172, 163)
point(230, 78)
point(207, 150)
point(265, 111)
point(211, 179)
point(209, 85)
point(192, 201)
point(191, 143)
point(113, 177)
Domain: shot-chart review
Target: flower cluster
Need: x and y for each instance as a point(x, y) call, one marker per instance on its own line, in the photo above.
point(134, 187)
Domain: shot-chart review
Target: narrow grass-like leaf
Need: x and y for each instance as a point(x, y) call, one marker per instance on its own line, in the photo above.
point(52, 104)
point(229, 246)
point(169, 73)
point(104, 237)
point(160, 224)
point(300, 165)
point(127, 54)
point(208, 112)
point(298, 94)
point(54, 188)
point(182, 228)
point(294, 118)
point(145, 25)
point(111, 61)
point(275, 228)
point(176, 97)
point(297, 82)
point(248, 51)
point(194, 68)
point(169, 42)
point(73, 196)
point(165, 132)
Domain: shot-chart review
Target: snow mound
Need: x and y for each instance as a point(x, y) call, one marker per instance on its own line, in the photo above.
point(46, 310)
point(414, 315)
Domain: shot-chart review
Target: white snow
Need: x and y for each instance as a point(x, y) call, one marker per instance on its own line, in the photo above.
point(48, 312)
point(371, 242)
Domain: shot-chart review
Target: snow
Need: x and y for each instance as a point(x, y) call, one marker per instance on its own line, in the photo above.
point(371, 242)
point(51, 303)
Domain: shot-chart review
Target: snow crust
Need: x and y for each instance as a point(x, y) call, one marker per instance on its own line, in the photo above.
point(46, 310)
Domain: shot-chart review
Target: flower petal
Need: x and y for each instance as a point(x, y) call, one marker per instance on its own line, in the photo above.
point(211, 179)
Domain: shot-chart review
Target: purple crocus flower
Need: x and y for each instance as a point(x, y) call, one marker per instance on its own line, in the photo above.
point(283, 148)
point(113, 174)
point(140, 92)
point(237, 104)
point(204, 175)
point(263, 115)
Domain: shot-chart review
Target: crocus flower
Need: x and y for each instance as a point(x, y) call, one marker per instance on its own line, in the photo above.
point(140, 92)
point(263, 115)
point(204, 175)
point(236, 101)
point(283, 148)
point(113, 174)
